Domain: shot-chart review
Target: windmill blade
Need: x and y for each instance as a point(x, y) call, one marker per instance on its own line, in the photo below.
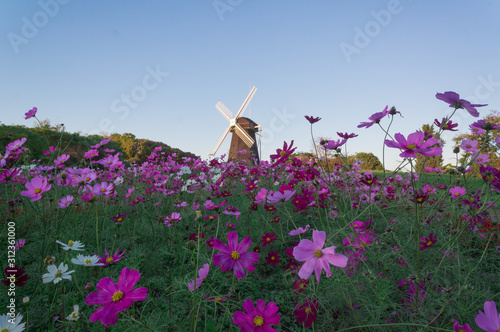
point(224, 110)
point(217, 146)
point(243, 135)
point(246, 103)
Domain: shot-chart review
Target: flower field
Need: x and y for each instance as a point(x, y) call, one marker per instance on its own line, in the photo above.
point(189, 245)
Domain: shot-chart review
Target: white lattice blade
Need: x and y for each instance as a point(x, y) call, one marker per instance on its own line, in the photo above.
point(247, 139)
point(246, 103)
point(219, 143)
point(224, 110)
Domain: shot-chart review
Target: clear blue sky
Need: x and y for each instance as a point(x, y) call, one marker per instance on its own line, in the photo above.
point(339, 60)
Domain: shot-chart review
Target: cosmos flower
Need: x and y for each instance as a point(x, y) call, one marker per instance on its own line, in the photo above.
point(203, 272)
point(453, 99)
point(57, 274)
point(315, 257)
point(257, 318)
point(489, 320)
point(90, 260)
point(312, 119)
point(73, 245)
point(374, 118)
point(414, 144)
point(281, 156)
point(36, 187)
point(234, 256)
point(446, 125)
point(75, 314)
point(108, 259)
point(65, 201)
point(299, 230)
point(19, 277)
point(31, 113)
point(7, 326)
point(115, 297)
point(306, 312)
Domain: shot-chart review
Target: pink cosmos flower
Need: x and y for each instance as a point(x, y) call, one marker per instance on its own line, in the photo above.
point(278, 197)
point(31, 113)
point(36, 187)
point(203, 272)
point(490, 319)
point(332, 145)
point(469, 146)
point(446, 125)
point(453, 99)
point(65, 201)
point(91, 154)
point(316, 258)
point(476, 130)
point(174, 217)
point(115, 298)
point(260, 198)
point(414, 143)
point(312, 119)
point(461, 328)
point(108, 259)
point(103, 188)
point(257, 318)
point(234, 256)
point(281, 156)
point(482, 159)
point(299, 230)
point(374, 118)
point(457, 192)
point(61, 159)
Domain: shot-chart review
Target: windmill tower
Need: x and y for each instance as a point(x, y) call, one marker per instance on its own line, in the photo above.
point(243, 130)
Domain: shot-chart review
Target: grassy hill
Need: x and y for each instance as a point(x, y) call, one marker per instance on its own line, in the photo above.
point(75, 145)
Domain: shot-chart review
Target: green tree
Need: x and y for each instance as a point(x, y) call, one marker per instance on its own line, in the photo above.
point(370, 161)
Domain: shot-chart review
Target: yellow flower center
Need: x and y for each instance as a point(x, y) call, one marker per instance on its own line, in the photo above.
point(59, 274)
point(272, 258)
point(88, 261)
point(117, 296)
point(308, 311)
point(258, 321)
point(87, 179)
point(282, 154)
point(109, 162)
point(411, 146)
point(119, 219)
point(445, 126)
point(268, 239)
point(318, 253)
point(103, 190)
point(71, 243)
point(457, 194)
point(235, 255)
point(109, 259)
point(37, 191)
point(74, 315)
point(5, 330)
point(429, 243)
point(217, 299)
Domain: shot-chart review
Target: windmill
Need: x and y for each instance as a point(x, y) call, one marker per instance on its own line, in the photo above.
point(243, 130)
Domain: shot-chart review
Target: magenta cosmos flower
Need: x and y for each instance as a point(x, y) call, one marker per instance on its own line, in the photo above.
point(489, 320)
point(203, 272)
point(234, 255)
point(36, 187)
point(453, 99)
point(257, 318)
point(374, 118)
point(281, 156)
point(414, 143)
point(316, 258)
point(31, 113)
point(312, 119)
point(115, 298)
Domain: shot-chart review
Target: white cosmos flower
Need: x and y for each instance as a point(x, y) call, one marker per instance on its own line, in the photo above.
point(91, 260)
point(75, 314)
point(6, 326)
point(73, 245)
point(57, 274)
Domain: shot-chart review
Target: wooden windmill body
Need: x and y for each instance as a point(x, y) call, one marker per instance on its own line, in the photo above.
point(243, 132)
